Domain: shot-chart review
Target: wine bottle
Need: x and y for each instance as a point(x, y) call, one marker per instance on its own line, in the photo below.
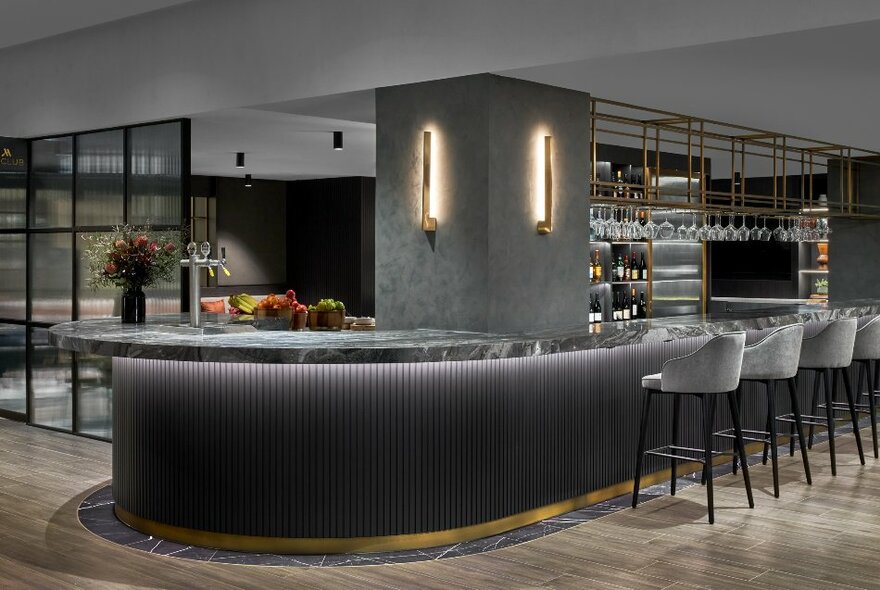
point(598, 311)
point(590, 274)
point(627, 269)
point(643, 269)
point(597, 269)
point(615, 308)
point(634, 268)
point(619, 268)
point(643, 308)
point(627, 311)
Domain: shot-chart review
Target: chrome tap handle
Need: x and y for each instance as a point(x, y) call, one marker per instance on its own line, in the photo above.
point(206, 249)
point(191, 248)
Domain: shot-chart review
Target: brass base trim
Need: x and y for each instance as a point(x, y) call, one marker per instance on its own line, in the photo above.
point(325, 545)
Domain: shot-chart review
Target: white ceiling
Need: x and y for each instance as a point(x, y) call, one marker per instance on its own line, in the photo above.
point(280, 146)
point(22, 21)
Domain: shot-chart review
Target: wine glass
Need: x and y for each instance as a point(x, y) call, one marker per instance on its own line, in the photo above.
point(615, 228)
point(717, 232)
point(666, 229)
point(756, 231)
point(635, 228)
point(742, 234)
point(693, 230)
point(777, 233)
point(705, 230)
point(730, 230)
point(651, 229)
point(682, 231)
point(765, 233)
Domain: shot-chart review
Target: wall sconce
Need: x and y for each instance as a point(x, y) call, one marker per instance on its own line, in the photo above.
point(428, 223)
point(545, 226)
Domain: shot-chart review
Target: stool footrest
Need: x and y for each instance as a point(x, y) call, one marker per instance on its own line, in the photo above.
point(765, 438)
point(669, 452)
point(805, 420)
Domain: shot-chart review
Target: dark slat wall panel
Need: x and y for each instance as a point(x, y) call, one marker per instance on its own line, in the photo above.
point(366, 450)
point(331, 244)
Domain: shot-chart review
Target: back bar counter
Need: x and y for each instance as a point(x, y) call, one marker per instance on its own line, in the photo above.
point(320, 442)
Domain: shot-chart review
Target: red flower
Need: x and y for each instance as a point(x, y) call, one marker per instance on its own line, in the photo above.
point(141, 240)
point(119, 244)
point(110, 268)
point(169, 247)
point(153, 246)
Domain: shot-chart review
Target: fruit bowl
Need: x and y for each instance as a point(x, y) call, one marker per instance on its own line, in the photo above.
point(327, 320)
point(298, 321)
point(272, 319)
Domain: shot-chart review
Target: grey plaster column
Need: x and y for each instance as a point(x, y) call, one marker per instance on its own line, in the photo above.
point(485, 268)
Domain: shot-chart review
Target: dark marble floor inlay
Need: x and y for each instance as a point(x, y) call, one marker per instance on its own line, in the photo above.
point(96, 514)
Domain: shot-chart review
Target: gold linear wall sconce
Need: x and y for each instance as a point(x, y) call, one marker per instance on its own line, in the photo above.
point(545, 226)
point(428, 223)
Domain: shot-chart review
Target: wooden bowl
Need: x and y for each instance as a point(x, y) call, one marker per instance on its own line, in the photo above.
point(298, 321)
point(326, 320)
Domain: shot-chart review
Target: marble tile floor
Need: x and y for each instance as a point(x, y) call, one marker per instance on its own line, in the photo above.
point(96, 515)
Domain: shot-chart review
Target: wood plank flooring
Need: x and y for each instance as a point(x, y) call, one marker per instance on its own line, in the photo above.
point(826, 536)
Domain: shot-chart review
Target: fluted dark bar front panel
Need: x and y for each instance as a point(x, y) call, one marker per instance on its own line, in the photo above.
point(380, 449)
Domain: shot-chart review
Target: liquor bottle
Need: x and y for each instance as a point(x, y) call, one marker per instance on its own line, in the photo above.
point(598, 310)
point(615, 308)
point(597, 269)
point(618, 190)
point(627, 269)
point(619, 268)
point(634, 306)
point(637, 193)
point(634, 268)
point(593, 303)
point(643, 308)
point(643, 269)
point(626, 192)
point(590, 274)
point(627, 311)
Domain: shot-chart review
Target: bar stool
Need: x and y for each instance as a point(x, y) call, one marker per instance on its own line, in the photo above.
point(829, 353)
point(770, 361)
point(712, 370)
point(866, 353)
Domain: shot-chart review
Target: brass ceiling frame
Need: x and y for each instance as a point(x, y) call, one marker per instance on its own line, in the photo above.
point(791, 151)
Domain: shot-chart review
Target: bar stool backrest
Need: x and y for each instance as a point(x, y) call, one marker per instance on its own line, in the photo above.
point(776, 356)
point(867, 347)
point(714, 368)
point(831, 348)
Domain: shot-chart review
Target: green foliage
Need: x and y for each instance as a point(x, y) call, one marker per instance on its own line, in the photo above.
point(133, 257)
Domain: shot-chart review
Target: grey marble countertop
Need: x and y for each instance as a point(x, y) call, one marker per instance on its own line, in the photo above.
point(162, 338)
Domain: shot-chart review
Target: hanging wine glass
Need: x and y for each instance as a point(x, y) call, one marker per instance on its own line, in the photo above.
point(651, 229)
point(666, 229)
point(765, 233)
point(742, 234)
point(717, 232)
point(615, 228)
point(756, 231)
point(705, 229)
point(693, 231)
point(730, 230)
point(682, 232)
point(635, 227)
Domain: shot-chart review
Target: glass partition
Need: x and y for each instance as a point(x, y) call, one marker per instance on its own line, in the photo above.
point(13, 369)
point(52, 182)
point(155, 184)
point(51, 382)
point(13, 200)
point(100, 178)
point(94, 395)
point(13, 274)
point(51, 277)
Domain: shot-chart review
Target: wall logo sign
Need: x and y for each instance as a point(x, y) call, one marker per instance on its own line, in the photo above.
point(12, 155)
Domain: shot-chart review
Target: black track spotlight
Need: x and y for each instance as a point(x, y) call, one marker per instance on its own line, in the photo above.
point(239, 160)
point(337, 140)
point(247, 181)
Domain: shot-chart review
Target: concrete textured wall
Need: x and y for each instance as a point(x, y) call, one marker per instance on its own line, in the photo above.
point(486, 268)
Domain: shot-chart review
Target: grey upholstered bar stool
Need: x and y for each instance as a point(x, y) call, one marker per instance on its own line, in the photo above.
point(712, 370)
point(770, 361)
point(866, 354)
point(828, 354)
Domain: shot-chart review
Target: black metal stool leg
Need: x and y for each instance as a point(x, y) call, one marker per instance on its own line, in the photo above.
point(676, 415)
point(772, 389)
point(850, 400)
point(796, 410)
point(771, 417)
point(711, 401)
point(829, 416)
point(739, 404)
point(741, 447)
point(872, 405)
point(708, 420)
point(643, 427)
point(814, 404)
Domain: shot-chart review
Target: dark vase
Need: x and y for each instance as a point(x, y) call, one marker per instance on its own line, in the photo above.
point(134, 306)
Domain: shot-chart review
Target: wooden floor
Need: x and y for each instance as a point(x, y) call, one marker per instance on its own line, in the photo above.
point(826, 536)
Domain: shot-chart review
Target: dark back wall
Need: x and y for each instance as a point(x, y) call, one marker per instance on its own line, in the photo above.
point(331, 245)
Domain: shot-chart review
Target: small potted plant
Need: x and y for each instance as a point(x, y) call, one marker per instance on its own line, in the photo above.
point(132, 258)
point(822, 286)
point(327, 314)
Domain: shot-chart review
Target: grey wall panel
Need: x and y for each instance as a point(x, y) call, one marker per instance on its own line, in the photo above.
point(367, 450)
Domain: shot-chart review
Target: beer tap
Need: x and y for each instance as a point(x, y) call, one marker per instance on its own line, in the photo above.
point(199, 258)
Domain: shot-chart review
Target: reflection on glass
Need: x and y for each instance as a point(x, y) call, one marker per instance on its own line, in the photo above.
point(52, 182)
point(164, 298)
point(102, 302)
point(52, 277)
point(13, 187)
point(51, 382)
point(13, 386)
point(94, 395)
point(99, 178)
point(155, 183)
point(13, 261)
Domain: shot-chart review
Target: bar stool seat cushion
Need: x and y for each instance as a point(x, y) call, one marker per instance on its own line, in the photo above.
point(867, 347)
point(651, 382)
point(775, 356)
point(832, 348)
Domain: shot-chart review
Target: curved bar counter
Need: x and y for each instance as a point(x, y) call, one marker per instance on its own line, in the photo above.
point(318, 442)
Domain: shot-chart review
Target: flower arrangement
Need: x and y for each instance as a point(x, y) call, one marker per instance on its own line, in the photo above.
point(132, 257)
